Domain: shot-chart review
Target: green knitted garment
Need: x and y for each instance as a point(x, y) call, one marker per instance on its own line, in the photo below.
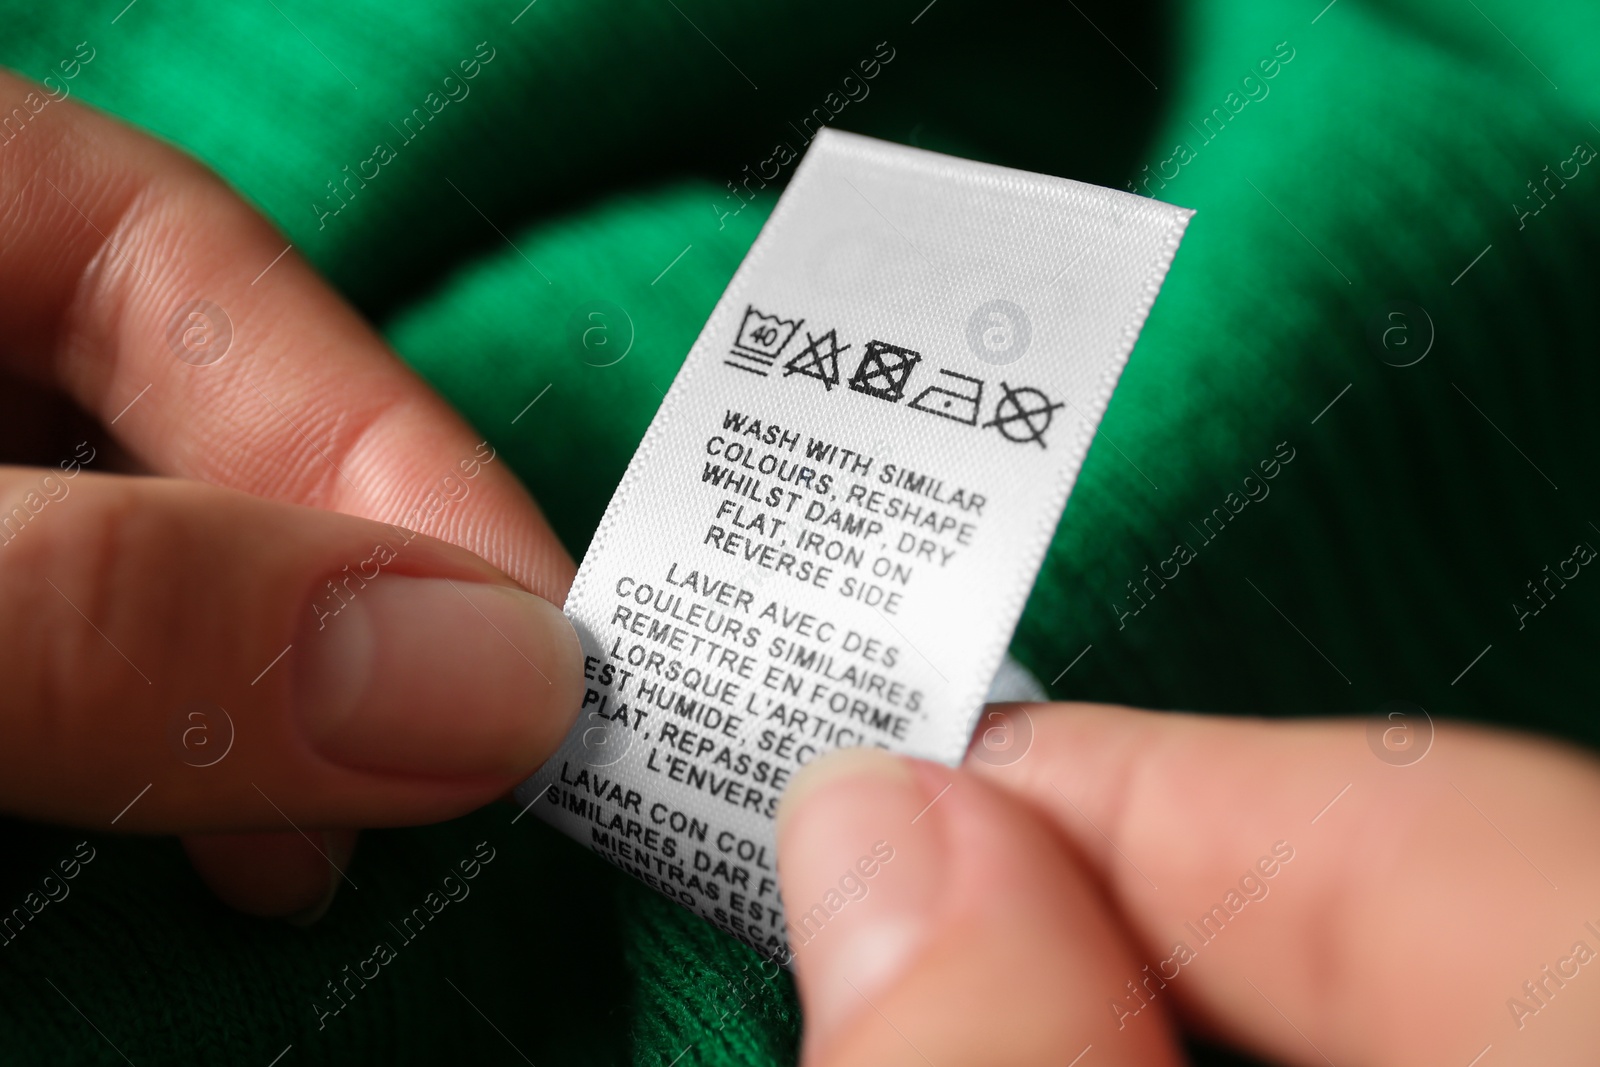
point(1376, 181)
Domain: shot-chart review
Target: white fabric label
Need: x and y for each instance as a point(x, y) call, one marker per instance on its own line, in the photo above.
point(830, 529)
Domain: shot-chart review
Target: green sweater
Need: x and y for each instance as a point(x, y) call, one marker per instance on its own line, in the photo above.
point(1375, 180)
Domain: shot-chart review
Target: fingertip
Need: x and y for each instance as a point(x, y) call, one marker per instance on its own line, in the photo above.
point(837, 766)
point(437, 677)
point(970, 934)
point(274, 875)
point(846, 820)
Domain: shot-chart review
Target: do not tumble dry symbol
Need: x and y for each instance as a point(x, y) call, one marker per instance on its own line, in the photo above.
point(1028, 407)
point(883, 371)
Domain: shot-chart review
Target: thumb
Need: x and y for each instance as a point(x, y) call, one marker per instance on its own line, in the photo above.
point(933, 919)
point(186, 658)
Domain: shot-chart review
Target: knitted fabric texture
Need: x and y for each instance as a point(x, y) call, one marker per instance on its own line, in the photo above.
point(1398, 159)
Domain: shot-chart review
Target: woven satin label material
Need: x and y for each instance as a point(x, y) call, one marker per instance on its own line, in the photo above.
point(830, 529)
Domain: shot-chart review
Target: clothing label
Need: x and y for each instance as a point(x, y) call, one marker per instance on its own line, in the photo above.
point(830, 529)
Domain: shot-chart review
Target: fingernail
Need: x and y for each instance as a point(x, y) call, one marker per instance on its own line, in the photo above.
point(336, 847)
point(863, 868)
point(436, 677)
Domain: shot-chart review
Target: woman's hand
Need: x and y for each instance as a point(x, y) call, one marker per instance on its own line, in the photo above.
point(290, 633)
point(1301, 890)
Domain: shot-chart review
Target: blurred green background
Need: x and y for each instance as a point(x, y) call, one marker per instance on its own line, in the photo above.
point(1384, 169)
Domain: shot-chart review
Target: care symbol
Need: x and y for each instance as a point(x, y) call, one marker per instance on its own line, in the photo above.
point(883, 371)
point(958, 403)
point(1027, 410)
point(817, 361)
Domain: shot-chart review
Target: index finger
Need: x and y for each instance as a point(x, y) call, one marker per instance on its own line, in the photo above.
point(135, 281)
point(1297, 893)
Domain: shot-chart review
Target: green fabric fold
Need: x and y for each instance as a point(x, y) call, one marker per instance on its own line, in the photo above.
point(592, 164)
